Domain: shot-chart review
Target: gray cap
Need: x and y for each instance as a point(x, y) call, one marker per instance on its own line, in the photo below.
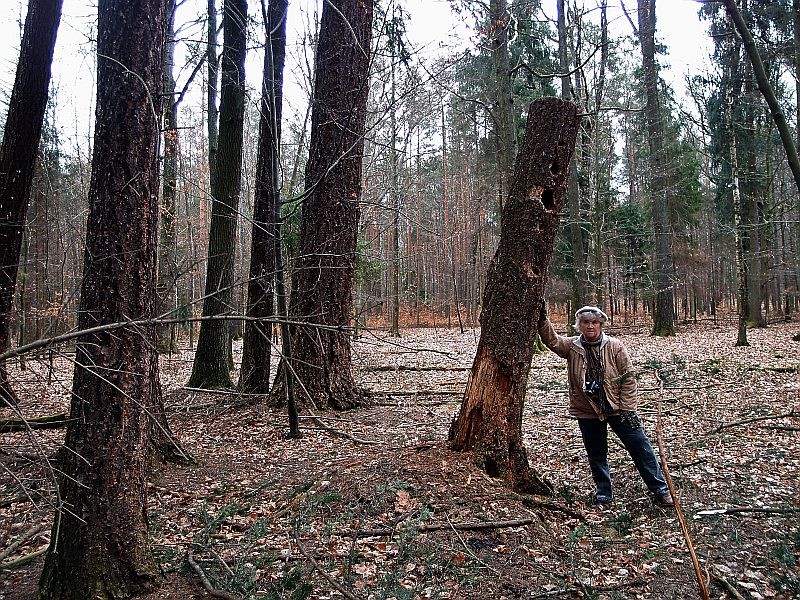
point(590, 311)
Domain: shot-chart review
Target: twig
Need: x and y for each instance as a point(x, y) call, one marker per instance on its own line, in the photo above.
point(344, 592)
point(431, 528)
point(727, 585)
point(551, 506)
point(678, 510)
point(791, 413)
point(468, 549)
point(206, 583)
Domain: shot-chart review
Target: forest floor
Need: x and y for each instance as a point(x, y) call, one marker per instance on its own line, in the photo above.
point(371, 504)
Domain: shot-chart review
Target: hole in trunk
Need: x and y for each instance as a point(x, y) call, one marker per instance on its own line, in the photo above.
point(548, 199)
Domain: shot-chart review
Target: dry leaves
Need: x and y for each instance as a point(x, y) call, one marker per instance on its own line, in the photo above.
point(359, 512)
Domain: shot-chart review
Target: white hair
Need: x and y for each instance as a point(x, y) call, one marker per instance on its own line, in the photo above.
point(588, 313)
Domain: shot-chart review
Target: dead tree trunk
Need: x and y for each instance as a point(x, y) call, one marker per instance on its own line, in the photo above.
point(490, 421)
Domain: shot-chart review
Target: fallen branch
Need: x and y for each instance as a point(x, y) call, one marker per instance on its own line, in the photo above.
point(431, 528)
point(551, 506)
point(727, 585)
point(206, 583)
point(391, 369)
point(678, 510)
point(791, 413)
point(48, 422)
point(341, 589)
point(746, 509)
point(20, 540)
point(23, 560)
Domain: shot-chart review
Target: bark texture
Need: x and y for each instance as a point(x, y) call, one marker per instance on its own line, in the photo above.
point(99, 544)
point(490, 420)
point(21, 136)
point(212, 361)
point(322, 285)
point(256, 352)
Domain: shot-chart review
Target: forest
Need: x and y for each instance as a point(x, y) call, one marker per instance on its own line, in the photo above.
point(268, 324)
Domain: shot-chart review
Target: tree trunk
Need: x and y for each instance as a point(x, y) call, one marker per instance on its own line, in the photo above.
point(167, 259)
point(664, 308)
point(256, 352)
point(490, 421)
point(99, 546)
point(212, 115)
point(21, 136)
point(212, 361)
point(322, 285)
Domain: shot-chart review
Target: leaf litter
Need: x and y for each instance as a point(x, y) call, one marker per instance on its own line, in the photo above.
point(324, 516)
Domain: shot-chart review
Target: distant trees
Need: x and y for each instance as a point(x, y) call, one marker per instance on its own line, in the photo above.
point(18, 156)
point(99, 543)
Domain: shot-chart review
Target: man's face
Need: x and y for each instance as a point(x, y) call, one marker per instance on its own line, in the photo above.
point(591, 329)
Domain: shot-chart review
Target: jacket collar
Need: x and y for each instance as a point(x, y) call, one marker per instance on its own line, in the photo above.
point(578, 341)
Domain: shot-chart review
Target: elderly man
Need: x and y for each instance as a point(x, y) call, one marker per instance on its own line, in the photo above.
point(602, 392)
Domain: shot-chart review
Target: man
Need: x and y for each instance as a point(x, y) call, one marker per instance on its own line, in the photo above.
point(602, 392)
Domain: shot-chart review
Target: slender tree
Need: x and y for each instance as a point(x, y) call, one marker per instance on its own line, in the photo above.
point(664, 308)
point(255, 371)
point(322, 284)
point(167, 259)
point(18, 156)
point(489, 423)
point(212, 361)
point(99, 543)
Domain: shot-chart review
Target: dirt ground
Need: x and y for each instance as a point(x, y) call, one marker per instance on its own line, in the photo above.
point(371, 504)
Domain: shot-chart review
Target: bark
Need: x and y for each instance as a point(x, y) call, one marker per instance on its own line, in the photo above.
point(489, 423)
point(322, 284)
point(212, 361)
point(99, 544)
point(21, 137)
point(663, 315)
point(256, 352)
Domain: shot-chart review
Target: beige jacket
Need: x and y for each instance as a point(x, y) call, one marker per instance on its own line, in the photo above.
point(619, 379)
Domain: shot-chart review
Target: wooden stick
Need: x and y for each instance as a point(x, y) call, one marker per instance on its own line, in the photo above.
point(430, 528)
point(678, 511)
point(22, 560)
point(339, 588)
point(48, 422)
point(17, 542)
point(206, 583)
point(791, 413)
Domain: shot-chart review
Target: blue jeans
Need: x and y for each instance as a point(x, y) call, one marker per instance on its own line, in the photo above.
point(595, 440)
